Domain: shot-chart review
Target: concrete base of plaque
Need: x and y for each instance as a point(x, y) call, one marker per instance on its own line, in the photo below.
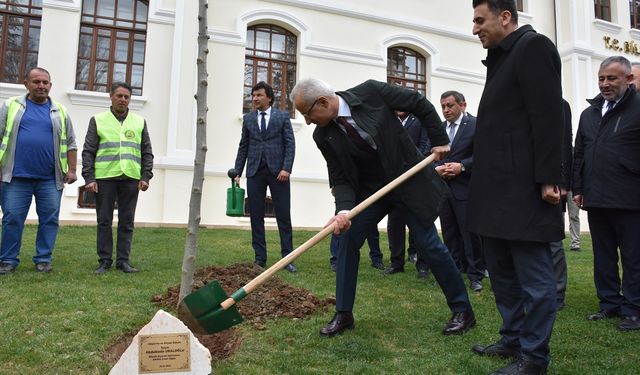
point(164, 346)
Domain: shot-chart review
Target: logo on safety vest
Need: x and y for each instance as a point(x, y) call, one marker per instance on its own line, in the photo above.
point(129, 134)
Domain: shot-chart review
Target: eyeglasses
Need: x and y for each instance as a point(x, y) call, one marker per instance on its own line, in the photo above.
point(305, 114)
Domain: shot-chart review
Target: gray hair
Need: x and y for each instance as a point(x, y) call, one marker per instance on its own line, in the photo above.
point(311, 89)
point(626, 65)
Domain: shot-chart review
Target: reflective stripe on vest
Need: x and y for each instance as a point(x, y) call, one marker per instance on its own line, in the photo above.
point(119, 148)
point(13, 106)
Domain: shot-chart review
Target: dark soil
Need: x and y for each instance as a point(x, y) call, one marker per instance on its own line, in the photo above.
point(273, 299)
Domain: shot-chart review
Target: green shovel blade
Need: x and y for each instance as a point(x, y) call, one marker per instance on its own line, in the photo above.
point(204, 306)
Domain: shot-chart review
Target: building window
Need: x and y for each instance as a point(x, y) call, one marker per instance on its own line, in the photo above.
point(519, 6)
point(271, 57)
point(407, 68)
point(634, 10)
point(20, 38)
point(113, 35)
point(603, 9)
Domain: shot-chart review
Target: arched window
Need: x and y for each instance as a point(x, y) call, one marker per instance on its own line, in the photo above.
point(407, 68)
point(271, 57)
point(19, 38)
point(113, 35)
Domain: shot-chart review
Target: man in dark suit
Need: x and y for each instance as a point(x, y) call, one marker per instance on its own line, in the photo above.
point(513, 195)
point(465, 247)
point(268, 147)
point(606, 183)
point(395, 222)
point(365, 147)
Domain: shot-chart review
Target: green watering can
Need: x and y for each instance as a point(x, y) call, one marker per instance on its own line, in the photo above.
point(235, 196)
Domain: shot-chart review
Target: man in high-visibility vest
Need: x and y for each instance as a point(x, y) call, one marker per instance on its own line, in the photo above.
point(38, 156)
point(117, 162)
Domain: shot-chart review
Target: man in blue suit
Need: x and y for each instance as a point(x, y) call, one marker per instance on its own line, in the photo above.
point(267, 146)
point(465, 247)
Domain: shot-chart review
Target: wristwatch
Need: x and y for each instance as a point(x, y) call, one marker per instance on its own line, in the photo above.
point(462, 167)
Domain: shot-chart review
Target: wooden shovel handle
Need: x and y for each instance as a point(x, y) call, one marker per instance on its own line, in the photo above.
point(258, 280)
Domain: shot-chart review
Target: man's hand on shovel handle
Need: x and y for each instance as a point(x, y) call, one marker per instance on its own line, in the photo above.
point(342, 223)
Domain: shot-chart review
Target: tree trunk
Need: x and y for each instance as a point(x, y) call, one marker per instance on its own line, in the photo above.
point(191, 242)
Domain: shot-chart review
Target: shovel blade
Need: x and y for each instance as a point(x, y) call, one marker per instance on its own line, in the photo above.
point(202, 313)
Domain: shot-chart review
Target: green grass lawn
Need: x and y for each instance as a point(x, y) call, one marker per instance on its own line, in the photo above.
point(59, 323)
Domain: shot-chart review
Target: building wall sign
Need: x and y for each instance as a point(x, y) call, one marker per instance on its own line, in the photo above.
point(614, 44)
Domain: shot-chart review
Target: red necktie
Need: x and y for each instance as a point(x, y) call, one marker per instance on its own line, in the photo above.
point(353, 133)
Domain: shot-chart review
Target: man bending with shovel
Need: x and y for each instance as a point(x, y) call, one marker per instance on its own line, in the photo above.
point(365, 147)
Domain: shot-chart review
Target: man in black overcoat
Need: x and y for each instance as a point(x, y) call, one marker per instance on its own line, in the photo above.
point(514, 195)
point(606, 183)
point(365, 147)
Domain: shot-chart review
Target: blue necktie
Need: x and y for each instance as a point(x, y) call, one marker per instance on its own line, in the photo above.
point(263, 124)
point(452, 132)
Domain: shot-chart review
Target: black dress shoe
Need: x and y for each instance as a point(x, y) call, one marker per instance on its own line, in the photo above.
point(412, 258)
point(423, 274)
point(102, 268)
point(391, 271)
point(604, 314)
point(476, 286)
point(460, 323)
point(291, 268)
point(126, 268)
point(6, 268)
point(522, 367)
point(342, 321)
point(260, 264)
point(629, 323)
point(378, 265)
point(334, 268)
point(43, 267)
point(497, 350)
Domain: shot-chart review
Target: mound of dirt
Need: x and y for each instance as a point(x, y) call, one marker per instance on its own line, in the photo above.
point(273, 299)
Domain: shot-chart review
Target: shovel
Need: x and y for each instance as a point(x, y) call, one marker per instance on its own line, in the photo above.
point(210, 309)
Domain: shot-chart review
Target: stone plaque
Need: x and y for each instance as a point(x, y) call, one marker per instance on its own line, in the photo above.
point(164, 353)
point(182, 354)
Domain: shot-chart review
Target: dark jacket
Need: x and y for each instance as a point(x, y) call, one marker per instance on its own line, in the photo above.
point(418, 134)
point(567, 147)
point(278, 146)
point(607, 154)
point(517, 146)
point(461, 152)
point(372, 104)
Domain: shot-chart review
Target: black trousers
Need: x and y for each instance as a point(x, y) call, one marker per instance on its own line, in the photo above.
point(524, 286)
point(427, 242)
point(125, 192)
point(465, 247)
point(281, 196)
point(613, 229)
point(396, 231)
point(559, 269)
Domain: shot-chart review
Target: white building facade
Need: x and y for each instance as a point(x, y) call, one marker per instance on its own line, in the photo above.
point(426, 45)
